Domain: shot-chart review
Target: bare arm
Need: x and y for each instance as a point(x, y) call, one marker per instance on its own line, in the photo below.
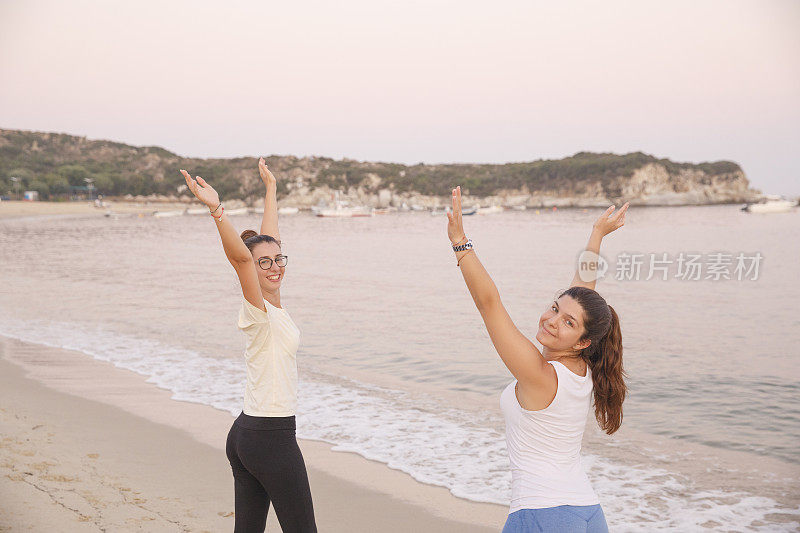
point(519, 354)
point(602, 227)
point(235, 249)
point(269, 222)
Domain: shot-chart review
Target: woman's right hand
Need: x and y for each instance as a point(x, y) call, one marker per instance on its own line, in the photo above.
point(455, 224)
point(202, 190)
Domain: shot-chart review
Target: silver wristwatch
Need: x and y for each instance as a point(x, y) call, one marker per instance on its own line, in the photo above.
point(461, 247)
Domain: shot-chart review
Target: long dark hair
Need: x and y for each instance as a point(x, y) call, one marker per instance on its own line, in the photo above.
point(603, 355)
point(251, 238)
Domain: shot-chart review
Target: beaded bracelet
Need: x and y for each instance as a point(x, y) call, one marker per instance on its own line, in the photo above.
point(220, 214)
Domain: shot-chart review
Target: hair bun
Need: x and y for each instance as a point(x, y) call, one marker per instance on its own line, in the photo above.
point(246, 234)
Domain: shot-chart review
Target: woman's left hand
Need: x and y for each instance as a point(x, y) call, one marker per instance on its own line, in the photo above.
point(202, 190)
point(266, 175)
point(606, 224)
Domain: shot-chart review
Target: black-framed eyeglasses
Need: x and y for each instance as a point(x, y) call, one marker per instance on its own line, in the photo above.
point(266, 262)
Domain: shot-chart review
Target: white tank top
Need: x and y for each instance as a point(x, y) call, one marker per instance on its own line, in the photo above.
point(270, 354)
point(544, 446)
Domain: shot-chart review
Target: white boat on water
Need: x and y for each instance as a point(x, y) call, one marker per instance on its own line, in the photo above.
point(237, 211)
point(164, 214)
point(288, 210)
point(490, 210)
point(197, 211)
point(770, 204)
point(344, 211)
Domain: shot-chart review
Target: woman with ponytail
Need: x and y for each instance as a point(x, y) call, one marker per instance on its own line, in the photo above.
point(546, 406)
point(261, 446)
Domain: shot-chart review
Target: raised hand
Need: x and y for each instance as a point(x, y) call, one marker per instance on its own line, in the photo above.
point(202, 190)
point(266, 175)
point(608, 222)
point(455, 224)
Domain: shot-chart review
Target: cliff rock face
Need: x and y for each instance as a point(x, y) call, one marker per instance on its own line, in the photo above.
point(652, 184)
point(53, 163)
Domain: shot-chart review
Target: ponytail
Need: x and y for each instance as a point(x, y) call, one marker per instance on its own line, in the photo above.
point(608, 377)
point(603, 355)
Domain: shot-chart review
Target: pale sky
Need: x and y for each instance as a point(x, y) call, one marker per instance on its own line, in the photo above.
point(415, 81)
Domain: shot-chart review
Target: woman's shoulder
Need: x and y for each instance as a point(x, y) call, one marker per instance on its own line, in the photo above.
point(250, 315)
point(579, 369)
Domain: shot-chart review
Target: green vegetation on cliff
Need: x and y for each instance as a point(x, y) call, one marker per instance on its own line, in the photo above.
point(50, 163)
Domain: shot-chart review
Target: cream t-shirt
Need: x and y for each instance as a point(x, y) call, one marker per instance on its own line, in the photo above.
point(270, 354)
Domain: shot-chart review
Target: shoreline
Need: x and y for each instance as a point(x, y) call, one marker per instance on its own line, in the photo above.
point(94, 398)
point(14, 209)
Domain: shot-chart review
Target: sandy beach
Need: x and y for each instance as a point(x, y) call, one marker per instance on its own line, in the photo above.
point(87, 446)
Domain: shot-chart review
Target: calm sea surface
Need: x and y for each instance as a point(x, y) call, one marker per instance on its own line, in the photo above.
point(395, 362)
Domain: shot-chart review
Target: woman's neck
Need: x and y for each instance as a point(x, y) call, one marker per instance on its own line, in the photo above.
point(272, 297)
point(556, 355)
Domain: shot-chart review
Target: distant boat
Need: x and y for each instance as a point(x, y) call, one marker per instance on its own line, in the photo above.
point(342, 211)
point(469, 210)
point(164, 214)
point(490, 210)
point(238, 211)
point(288, 210)
point(770, 204)
point(197, 211)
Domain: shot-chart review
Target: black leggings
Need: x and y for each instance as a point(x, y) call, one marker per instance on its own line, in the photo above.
point(268, 467)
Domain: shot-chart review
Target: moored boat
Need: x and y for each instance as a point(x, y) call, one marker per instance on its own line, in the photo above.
point(164, 214)
point(490, 210)
point(770, 204)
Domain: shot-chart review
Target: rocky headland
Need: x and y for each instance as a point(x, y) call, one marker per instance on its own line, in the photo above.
point(57, 165)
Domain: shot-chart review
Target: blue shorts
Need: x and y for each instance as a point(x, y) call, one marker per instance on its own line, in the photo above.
point(561, 519)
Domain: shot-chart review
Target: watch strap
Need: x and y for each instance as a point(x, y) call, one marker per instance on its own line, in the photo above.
point(461, 247)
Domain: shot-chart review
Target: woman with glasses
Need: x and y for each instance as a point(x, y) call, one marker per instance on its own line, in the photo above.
point(546, 405)
point(261, 446)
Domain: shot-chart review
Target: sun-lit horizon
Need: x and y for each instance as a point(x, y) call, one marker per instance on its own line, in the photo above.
point(432, 82)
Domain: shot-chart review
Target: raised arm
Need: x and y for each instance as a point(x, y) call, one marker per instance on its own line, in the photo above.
point(520, 355)
point(587, 277)
point(269, 222)
point(235, 250)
